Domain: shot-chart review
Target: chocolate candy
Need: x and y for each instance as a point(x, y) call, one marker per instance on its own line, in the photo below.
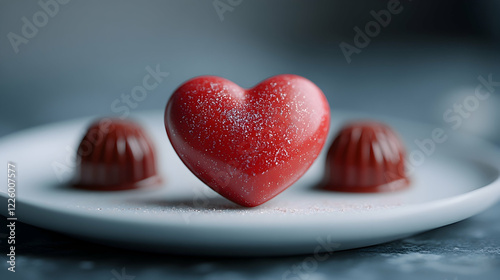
point(366, 156)
point(116, 154)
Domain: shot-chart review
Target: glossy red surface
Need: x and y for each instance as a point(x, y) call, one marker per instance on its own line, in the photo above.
point(248, 145)
point(116, 154)
point(366, 156)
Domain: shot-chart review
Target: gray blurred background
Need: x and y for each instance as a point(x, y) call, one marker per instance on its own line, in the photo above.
point(89, 53)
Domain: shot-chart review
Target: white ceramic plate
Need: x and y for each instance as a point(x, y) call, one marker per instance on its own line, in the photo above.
point(458, 180)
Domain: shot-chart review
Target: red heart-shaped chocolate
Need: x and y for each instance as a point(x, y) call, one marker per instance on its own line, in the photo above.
point(248, 145)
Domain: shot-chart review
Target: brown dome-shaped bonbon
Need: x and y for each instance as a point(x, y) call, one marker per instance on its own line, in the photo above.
point(366, 156)
point(116, 154)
